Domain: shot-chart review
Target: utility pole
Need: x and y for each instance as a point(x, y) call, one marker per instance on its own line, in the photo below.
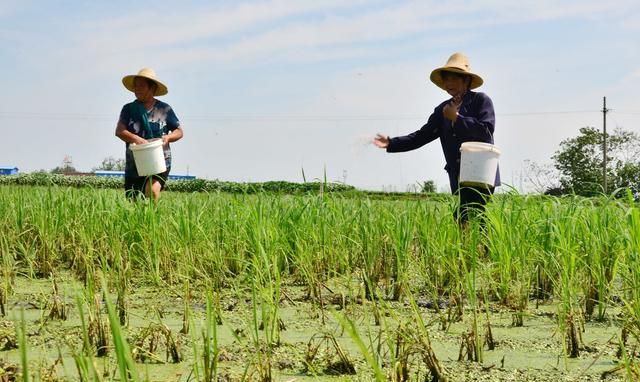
point(604, 144)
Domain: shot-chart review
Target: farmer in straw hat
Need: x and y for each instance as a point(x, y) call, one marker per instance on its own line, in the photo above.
point(466, 116)
point(144, 119)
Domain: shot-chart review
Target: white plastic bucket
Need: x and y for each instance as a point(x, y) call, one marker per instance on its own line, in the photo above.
point(478, 164)
point(149, 157)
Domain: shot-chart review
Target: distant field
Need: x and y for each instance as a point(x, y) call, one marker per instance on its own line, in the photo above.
point(315, 285)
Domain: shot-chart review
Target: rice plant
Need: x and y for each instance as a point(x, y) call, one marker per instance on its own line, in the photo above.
point(126, 365)
point(367, 257)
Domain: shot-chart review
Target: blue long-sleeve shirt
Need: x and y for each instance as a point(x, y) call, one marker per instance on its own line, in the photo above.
point(475, 122)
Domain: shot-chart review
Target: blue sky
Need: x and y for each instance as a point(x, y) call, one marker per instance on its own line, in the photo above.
point(266, 89)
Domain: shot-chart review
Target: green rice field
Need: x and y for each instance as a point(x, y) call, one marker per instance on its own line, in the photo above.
point(317, 286)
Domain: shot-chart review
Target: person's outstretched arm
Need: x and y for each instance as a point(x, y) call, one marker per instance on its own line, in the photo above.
point(427, 133)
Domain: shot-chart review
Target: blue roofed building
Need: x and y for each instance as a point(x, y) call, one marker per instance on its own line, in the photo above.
point(8, 170)
point(121, 173)
point(109, 173)
point(181, 177)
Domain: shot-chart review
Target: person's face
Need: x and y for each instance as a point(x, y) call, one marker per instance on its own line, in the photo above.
point(454, 83)
point(142, 89)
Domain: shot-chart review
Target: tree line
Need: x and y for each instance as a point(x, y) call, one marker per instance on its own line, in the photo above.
point(577, 166)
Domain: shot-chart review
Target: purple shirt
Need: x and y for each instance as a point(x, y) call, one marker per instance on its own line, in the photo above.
point(475, 122)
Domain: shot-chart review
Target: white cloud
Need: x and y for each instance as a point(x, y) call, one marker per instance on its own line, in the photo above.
point(631, 23)
point(197, 24)
point(536, 10)
point(289, 39)
point(380, 54)
point(261, 30)
point(11, 7)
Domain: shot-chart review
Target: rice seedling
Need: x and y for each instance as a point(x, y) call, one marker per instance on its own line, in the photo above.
point(8, 339)
point(3, 300)
point(97, 327)
point(7, 270)
point(568, 273)
point(308, 249)
point(417, 342)
point(267, 263)
point(488, 335)
point(210, 343)
point(186, 313)
point(372, 253)
point(437, 259)
point(58, 306)
point(126, 365)
point(151, 340)
point(374, 334)
point(471, 342)
point(121, 276)
point(263, 354)
point(83, 359)
point(349, 326)
point(543, 218)
point(630, 276)
point(402, 238)
point(48, 373)
point(575, 257)
point(9, 371)
point(334, 358)
point(21, 335)
point(601, 244)
point(627, 363)
point(511, 255)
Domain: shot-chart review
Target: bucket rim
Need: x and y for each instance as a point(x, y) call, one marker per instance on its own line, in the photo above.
point(153, 143)
point(480, 145)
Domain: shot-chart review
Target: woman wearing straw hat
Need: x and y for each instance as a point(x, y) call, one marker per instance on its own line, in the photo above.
point(144, 119)
point(466, 116)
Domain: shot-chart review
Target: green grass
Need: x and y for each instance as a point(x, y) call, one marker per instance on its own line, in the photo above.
point(573, 251)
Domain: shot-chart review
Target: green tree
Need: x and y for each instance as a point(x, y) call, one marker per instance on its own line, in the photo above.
point(579, 161)
point(66, 167)
point(110, 164)
point(428, 186)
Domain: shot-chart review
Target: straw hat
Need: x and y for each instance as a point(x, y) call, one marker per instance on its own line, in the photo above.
point(147, 73)
point(457, 63)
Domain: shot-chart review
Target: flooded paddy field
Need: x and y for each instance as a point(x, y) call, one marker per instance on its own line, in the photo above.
point(305, 350)
point(222, 287)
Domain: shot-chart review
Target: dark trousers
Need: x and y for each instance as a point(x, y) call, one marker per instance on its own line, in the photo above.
point(134, 186)
point(472, 202)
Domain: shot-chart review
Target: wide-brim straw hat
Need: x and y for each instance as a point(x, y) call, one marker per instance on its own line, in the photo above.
point(457, 63)
point(147, 73)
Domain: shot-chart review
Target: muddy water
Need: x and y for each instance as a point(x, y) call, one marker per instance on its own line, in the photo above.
point(529, 353)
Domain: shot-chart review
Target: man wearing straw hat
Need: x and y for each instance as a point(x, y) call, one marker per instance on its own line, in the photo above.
point(466, 116)
point(142, 120)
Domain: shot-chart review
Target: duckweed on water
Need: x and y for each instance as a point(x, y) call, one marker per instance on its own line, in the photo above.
point(266, 287)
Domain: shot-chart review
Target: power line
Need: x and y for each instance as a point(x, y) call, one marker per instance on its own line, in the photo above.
point(282, 117)
point(632, 112)
point(53, 116)
point(525, 113)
